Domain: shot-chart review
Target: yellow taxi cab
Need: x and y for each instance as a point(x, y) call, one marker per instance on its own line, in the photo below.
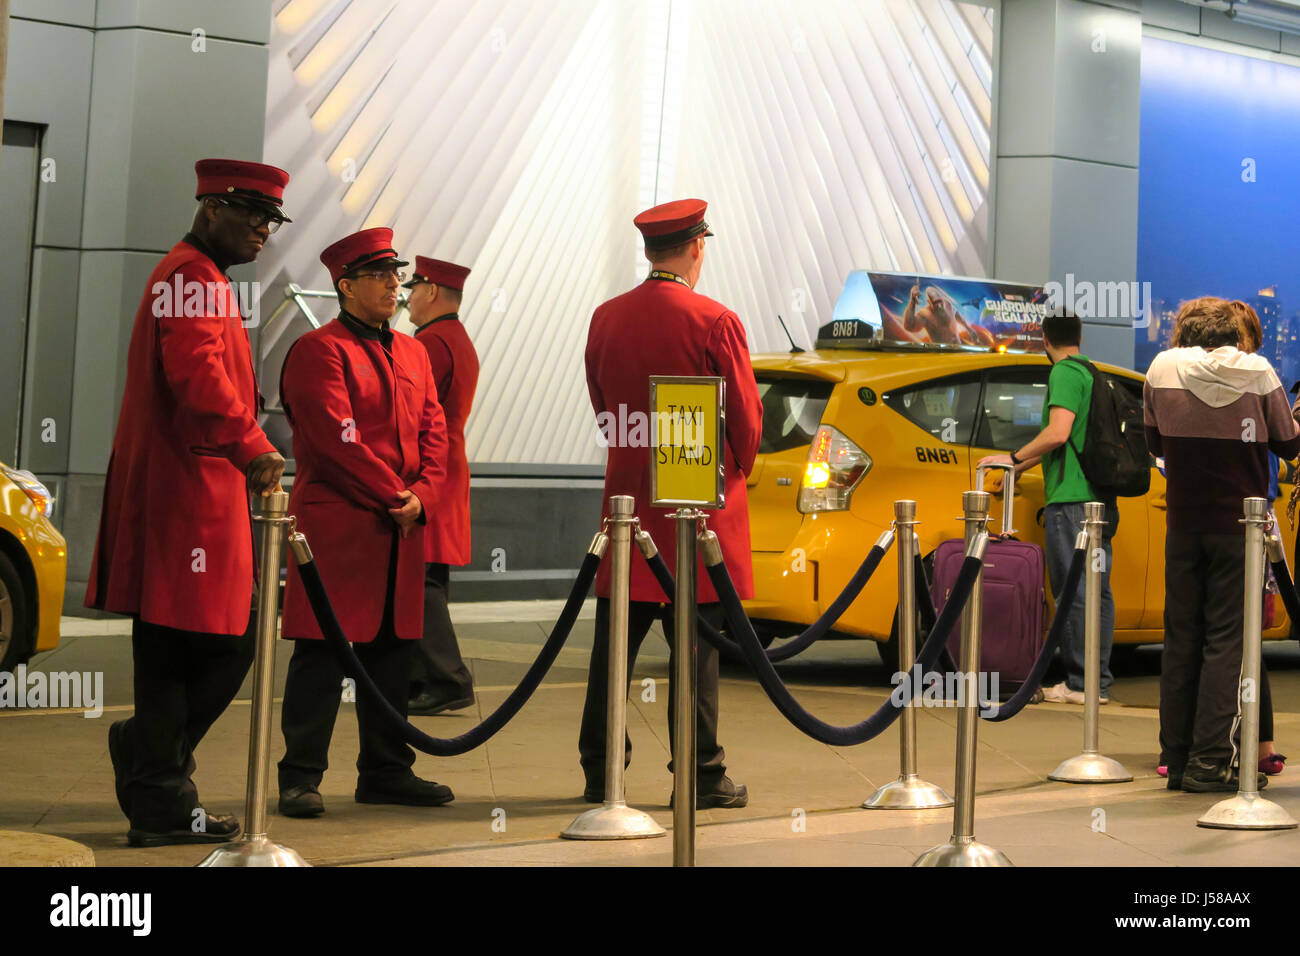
point(33, 568)
point(847, 431)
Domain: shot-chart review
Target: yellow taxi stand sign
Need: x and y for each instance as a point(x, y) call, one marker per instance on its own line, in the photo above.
point(687, 429)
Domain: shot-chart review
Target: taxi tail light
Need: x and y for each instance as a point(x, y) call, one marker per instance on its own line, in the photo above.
point(835, 467)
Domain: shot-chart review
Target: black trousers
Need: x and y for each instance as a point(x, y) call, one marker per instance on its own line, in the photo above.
point(591, 737)
point(1201, 661)
point(313, 689)
point(184, 680)
point(436, 665)
point(312, 692)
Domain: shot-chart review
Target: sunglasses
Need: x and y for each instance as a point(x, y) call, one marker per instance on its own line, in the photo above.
point(257, 218)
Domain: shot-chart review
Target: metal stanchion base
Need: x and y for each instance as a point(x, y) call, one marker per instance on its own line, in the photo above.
point(253, 851)
point(962, 852)
point(1090, 768)
point(908, 792)
point(1246, 811)
point(615, 821)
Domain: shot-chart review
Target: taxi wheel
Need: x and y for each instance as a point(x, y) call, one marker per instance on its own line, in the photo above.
point(15, 624)
point(766, 634)
point(889, 649)
point(1124, 657)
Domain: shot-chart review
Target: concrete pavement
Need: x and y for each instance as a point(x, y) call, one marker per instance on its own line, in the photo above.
point(515, 794)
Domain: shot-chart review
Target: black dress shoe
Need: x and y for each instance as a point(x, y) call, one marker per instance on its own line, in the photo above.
point(144, 838)
point(224, 825)
point(217, 828)
point(404, 791)
point(427, 704)
point(118, 759)
point(303, 800)
point(725, 795)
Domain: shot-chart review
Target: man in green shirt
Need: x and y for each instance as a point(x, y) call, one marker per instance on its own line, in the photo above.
point(1065, 423)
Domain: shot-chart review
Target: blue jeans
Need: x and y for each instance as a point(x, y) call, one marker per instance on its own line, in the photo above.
point(1062, 523)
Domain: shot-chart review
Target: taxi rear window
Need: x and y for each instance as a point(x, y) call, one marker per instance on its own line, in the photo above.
point(945, 407)
point(792, 410)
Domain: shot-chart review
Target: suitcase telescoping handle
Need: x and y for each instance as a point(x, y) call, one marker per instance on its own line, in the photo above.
point(1008, 492)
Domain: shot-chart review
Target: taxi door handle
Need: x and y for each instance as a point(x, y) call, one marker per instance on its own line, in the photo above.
point(1160, 503)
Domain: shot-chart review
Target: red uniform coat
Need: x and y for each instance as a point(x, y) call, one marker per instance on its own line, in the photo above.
point(455, 371)
point(363, 431)
point(665, 328)
point(175, 540)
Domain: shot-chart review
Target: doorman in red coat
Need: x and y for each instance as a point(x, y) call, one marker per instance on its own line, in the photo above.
point(440, 681)
point(175, 546)
point(664, 327)
point(370, 447)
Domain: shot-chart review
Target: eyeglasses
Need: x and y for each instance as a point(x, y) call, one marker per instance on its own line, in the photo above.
point(257, 218)
point(383, 276)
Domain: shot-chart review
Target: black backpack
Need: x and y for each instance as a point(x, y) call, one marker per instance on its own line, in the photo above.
point(1114, 458)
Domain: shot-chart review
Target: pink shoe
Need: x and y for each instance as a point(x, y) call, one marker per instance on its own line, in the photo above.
point(1272, 764)
point(1162, 770)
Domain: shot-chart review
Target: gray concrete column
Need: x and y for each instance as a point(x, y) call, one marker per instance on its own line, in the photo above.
point(1067, 159)
point(172, 83)
point(4, 49)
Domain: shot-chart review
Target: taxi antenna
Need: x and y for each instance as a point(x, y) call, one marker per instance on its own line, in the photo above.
point(793, 348)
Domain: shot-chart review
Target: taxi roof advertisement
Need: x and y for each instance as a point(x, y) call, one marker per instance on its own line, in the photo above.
point(912, 310)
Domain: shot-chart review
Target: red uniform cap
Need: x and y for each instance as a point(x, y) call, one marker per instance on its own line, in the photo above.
point(365, 248)
point(673, 223)
point(439, 273)
point(254, 181)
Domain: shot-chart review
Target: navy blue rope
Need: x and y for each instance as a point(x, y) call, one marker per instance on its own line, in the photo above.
point(815, 631)
point(453, 746)
point(785, 702)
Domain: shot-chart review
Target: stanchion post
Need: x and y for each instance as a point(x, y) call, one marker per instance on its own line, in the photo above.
point(1091, 766)
point(253, 847)
point(1248, 810)
point(685, 688)
point(909, 791)
point(615, 820)
point(962, 849)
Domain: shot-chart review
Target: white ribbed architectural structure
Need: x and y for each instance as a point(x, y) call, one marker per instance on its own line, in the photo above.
point(520, 137)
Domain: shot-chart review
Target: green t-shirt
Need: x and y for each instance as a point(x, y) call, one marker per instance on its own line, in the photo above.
point(1069, 386)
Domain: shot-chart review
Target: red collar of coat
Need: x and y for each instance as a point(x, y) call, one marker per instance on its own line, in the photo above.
point(442, 318)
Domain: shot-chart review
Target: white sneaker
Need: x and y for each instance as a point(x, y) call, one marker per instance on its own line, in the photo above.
point(1061, 694)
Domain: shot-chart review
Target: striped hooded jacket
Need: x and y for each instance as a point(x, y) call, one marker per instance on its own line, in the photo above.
point(1214, 416)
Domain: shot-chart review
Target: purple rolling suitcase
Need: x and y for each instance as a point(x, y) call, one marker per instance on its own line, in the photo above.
point(1015, 600)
